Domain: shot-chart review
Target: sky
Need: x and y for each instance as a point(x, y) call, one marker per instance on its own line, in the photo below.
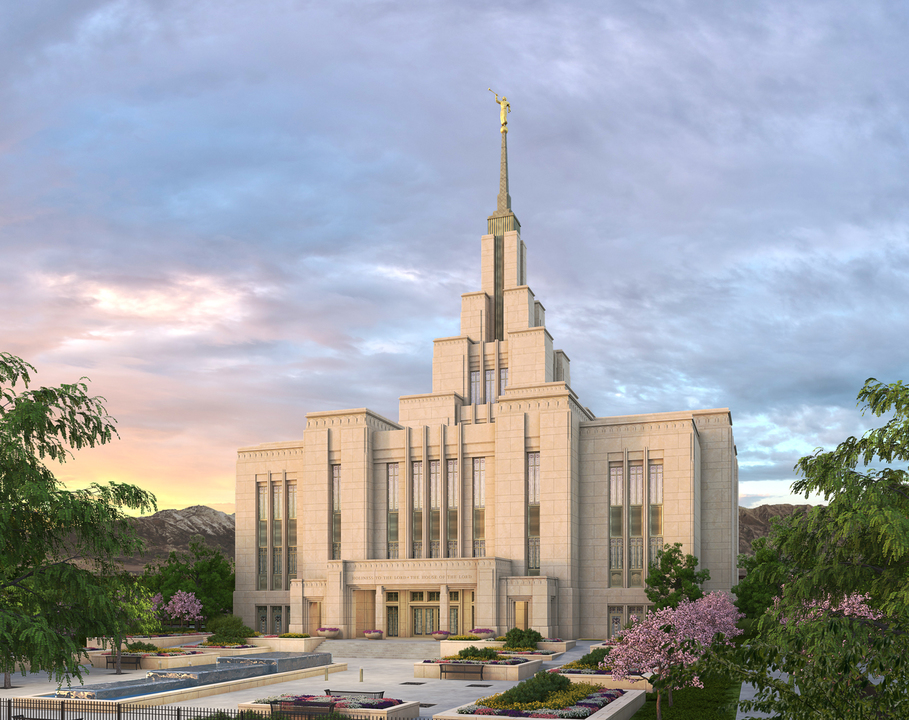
point(228, 214)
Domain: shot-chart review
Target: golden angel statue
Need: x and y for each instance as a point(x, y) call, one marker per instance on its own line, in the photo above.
point(505, 108)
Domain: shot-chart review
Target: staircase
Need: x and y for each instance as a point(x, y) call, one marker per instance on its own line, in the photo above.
point(404, 649)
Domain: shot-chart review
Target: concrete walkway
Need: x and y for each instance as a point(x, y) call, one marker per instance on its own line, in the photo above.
point(391, 673)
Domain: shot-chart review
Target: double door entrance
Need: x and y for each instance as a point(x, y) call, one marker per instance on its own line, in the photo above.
point(425, 620)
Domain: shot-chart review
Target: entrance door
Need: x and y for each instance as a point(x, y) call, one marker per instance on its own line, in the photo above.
point(391, 620)
point(521, 612)
point(417, 621)
point(430, 620)
point(615, 621)
point(453, 621)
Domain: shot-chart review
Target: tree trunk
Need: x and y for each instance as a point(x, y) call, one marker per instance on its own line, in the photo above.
point(119, 655)
point(670, 697)
point(659, 715)
point(7, 680)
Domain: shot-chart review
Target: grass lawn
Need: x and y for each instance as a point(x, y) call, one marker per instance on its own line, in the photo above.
point(714, 702)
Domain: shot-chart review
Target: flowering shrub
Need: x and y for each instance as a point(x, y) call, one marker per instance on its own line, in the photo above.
point(329, 629)
point(184, 606)
point(483, 631)
point(294, 635)
point(552, 640)
point(440, 632)
point(340, 701)
point(217, 644)
point(370, 632)
point(668, 641)
point(464, 637)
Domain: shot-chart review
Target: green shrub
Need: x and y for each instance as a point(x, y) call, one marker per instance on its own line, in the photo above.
point(140, 646)
point(463, 637)
point(475, 653)
point(516, 638)
point(558, 699)
point(230, 626)
point(590, 661)
point(224, 640)
point(535, 689)
point(294, 635)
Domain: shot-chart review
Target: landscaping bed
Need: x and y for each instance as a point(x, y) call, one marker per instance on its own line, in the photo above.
point(512, 669)
point(161, 641)
point(548, 696)
point(157, 661)
point(715, 701)
point(378, 708)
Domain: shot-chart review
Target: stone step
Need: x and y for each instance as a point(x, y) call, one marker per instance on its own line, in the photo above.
point(398, 649)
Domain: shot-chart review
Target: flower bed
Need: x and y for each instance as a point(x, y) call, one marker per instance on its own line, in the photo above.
point(377, 708)
point(622, 708)
point(338, 700)
point(585, 707)
point(162, 641)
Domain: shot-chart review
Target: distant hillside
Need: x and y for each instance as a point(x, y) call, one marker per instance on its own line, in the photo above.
point(755, 522)
point(170, 530)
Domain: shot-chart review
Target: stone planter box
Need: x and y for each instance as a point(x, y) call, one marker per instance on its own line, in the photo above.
point(374, 636)
point(157, 662)
point(165, 641)
point(287, 644)
point(490, 672)
point(563, 646)
point(330, 634)
point(608, 682)
point(231, 652)
point(544, 658)
point(453, 647)
point(404, 710)
point(621, 709)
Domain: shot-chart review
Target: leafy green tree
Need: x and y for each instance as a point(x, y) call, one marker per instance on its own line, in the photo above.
point(818, 656)
point(673, 578)
point(756, 591)
point(202, 570)
point(132, 612)
point(56, 545)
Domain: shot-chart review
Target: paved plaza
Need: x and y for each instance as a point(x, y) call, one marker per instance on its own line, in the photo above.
point(392, 674)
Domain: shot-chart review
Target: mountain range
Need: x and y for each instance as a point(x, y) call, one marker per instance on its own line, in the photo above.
point(170, 530)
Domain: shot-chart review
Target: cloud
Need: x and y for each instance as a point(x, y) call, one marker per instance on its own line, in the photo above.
point(231, 214)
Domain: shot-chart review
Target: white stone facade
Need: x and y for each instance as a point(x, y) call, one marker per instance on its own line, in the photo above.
point(531, 510)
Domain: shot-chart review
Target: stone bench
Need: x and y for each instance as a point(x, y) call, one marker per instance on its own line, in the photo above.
point(134, 660)
point(460, 668)
point(356, 693)
point(302, 709)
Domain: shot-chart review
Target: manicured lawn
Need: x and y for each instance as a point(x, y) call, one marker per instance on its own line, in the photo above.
point(713, 702)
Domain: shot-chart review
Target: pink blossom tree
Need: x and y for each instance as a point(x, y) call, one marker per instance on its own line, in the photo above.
point(184, 606)
point(668, 642)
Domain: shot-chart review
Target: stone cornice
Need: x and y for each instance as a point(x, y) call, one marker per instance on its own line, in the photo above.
point(347, 418)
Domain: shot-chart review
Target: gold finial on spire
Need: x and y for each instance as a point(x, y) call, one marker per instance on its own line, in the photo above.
point(505, 108)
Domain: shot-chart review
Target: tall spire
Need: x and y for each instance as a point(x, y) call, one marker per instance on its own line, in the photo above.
point(504, 205)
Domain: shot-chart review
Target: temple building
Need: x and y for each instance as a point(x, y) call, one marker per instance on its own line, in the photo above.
point(497, 500)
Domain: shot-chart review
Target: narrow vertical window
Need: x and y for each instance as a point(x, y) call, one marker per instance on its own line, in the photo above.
point(435, 509)
point(335, 512)
point(391, 472)
point(503, 379)
point(453, 485)
point(616, 533)
point(533, 513)
point(636, 524)
point(262, 535)
point(277, 555)
point(475, 388)
point(417, 525)
point(656, 509)
point(291, 531)
point(490, 386)
point(479, 507)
